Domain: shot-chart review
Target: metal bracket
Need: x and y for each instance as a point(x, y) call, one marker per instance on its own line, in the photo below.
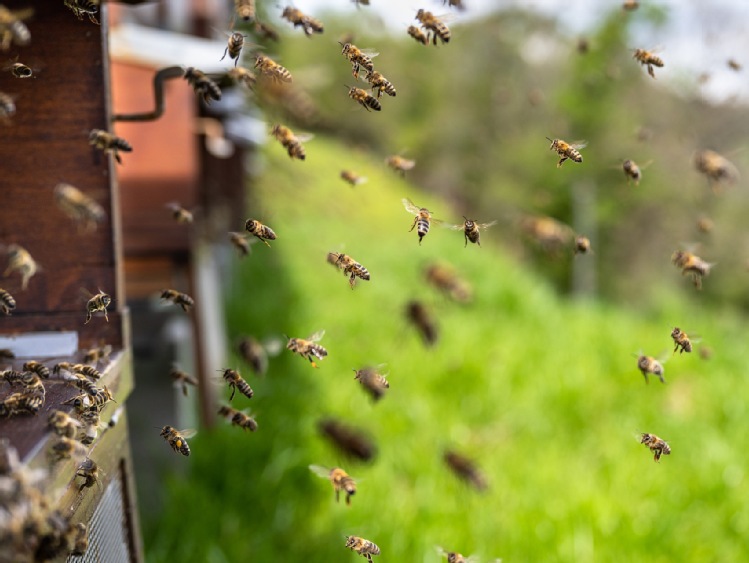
point(158, 96)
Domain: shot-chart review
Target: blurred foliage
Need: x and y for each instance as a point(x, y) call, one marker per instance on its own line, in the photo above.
point(543, 393)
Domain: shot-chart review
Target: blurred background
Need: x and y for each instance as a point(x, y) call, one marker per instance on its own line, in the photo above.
point(533, 372)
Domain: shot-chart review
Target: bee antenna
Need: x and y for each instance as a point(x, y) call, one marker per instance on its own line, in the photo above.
point(552, 140)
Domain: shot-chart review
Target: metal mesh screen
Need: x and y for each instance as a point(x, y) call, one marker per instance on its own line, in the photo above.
point(107, 530)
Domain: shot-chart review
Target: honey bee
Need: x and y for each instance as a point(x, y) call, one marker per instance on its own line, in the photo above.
point(92, 422)
point(180, 214)
point(182, 379)
point(265, 31)
point(271, 68)
point(471, 230)
point(380, 84)
point(89, 471)
point(364, 98)
point(349, 266)
point(649, 365)
point(245, 9)
point(372, 381)
point(418, 314)
point(178, 298)
point(7, 302)
point(400, 164)
point(705, 225)
point(63, 424)
point(291, 142)
point(244, 75)
point(109, 143)
point(19, 70)
point(308, 24)
point(24, 402)
point(583, 45)
point(349, 440)
point(21, 261)
point(455, 4)
point(240, 242)
point(256, 353)
point(260, 231)
point(716, 167)
point(567, 150)
point(82, 8)
point(307, 348)
point(236, 381)
point(85, 402)
point(632, 171)
point(630, 5)
point(648, 59)
point(423, 218)
point(657, 445)
point(66, 448)
point(418, 35)
point(363, 547)
point(465, 469)
point(38, 368)
point(7, 107)
point(340, 480)
point(238, 418)
point(352, 178)
point(455, 557)
point(234, 47)
point(203, 86)
point(177, 439)
point(12, 28)
point(358, 58)
point(681, 341)
point(435, 25)
point(445, 279)
point(79, 540)
point(691, 264)
point(98, 302)
point(733, 64)
point(549, 233)
point(582, 244)
point(97, 354)
point(7, 354)
point(81, 208)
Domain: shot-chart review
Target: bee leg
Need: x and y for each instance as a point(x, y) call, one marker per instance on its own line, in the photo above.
point(184, 390)
point(650, 71)
point(352, 281)
point(233, 390)
point(645, 375)
point(265, 242)
point(348, 499)
point(88, 318)
point(337, 494)
point(466, 244)
point(561, 161)
point(314, 365)
point(225, 51)
point(117, 157)
point(661, 378)
point(416, 220)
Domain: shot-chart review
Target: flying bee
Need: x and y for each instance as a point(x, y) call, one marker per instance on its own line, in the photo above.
point(12, 28)
point(240, 242)
point(418, 314)
point(177, 439)
point(648, 59)
point(256, 353)
point(21, 261)
point(243, 75)
point(340, 480)
point(349, 266)
point(681, 341)
point(178, 298)
point(203, 86)
point(234, 47)
point(19, 70)
point(705, 225)
point(400, 164)
point(364, 98)
point(7, 108)
point(262, 232)
point(82, 209)
point(649, 365)
point(582, 244)
point(307, 348)
point(567, 150)
point(455, 3)
point(82, 8)
point(380, 84)
point(271, 68)
point(97, 354)
point(98, 302)
point(358, 58)
point(465, 469)
point(547, 232)
point(455, 557)
point(372, 381)
point(350, 441)
point(236, 381)
point(363, 547)
point(7, 302)
point(657, 445)
point(180, 214)
point(109, 143)
point(308, 24)
point(435, 25)
point(716, 167)
point(63, 424)
point(630, 5)
point(291, 142)
point(265, 31)
point(733, 64)
point(691, 264)
point(444, 278)
point(471, 230)
point(423, 218)
point(38, 368)
point(245, 9)
point(66, 448)
point(352, 178)
point(238, 418)
point(182, 379)
point(418, 35)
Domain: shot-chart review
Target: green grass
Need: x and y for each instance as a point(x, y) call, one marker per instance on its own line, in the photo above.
point(541, 391)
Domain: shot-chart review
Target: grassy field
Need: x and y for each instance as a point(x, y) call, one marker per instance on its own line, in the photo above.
point(542, 392)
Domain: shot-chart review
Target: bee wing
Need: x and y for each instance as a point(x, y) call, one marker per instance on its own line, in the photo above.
point(436, 221)
point(187, 433)
point(273, 345)
point(320, 471)
point(304, 137)
point(371, 53)
point(457, 227)
point(317, 336)
point(486, 225)
point(579, 144)
point(407, 164)
point(410, 206)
